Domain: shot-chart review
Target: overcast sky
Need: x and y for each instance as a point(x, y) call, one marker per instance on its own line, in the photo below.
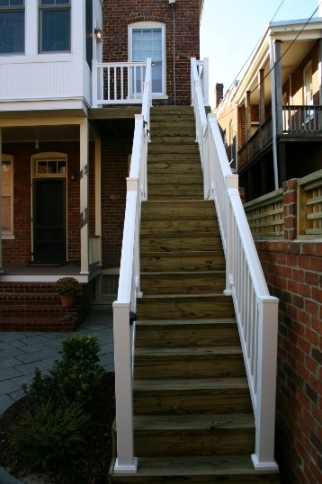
point(230, 30)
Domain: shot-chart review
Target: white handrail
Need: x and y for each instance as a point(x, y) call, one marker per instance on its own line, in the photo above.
point(129, 287)
point(256, 311)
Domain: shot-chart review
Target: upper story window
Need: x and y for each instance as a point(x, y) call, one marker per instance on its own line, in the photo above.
point(147, 39)
point(308, 85)
point(54, 26)
point(12, 26)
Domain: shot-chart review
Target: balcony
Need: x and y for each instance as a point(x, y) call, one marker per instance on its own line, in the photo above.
point(298, 123)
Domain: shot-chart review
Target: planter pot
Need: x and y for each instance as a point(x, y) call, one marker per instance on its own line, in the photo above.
point(67, 300)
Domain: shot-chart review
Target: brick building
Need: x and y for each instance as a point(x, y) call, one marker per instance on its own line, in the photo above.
point(65, 157)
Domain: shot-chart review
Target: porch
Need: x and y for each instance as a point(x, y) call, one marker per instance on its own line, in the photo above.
point(298, 124)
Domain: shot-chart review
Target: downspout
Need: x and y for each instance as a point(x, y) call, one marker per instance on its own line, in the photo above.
point(173, 6)
point(273, 98)
point(1, 270)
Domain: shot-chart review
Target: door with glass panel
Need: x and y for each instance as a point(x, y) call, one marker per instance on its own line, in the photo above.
point(147, 43)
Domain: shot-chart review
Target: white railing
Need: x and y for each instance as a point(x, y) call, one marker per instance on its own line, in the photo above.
point(117, 82)
point(256, 311)
point(129, 286)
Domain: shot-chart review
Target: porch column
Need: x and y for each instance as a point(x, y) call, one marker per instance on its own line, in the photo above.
point(248, 115)
point(83, 182)
point(278, 87)
point(273, 99)
point(98, 196)
point(261, 97)
point(1, 270)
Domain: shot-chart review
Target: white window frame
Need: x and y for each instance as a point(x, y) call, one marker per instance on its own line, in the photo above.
point(150, 26)
point(11, 9)
point(8, 234)
point(56, 6)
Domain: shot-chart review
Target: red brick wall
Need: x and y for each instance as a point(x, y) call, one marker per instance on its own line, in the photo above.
point(114, 172)
point(293, 271)
point(18, 250)
point(118, 15)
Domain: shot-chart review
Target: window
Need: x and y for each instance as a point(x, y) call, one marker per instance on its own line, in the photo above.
point(308, 89)
point(147, 40)
point(7, 195)
point(12, 27)
point(54, 29)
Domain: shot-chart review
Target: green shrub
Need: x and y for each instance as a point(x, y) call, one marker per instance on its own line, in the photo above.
point(80, 348)
point(73, 378)
point(48, 436)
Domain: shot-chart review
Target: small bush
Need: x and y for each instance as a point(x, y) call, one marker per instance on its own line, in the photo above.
point(48, 436)
point(80, 348)
point(73, 378)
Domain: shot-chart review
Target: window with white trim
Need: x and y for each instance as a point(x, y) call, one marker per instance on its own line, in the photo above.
point(54, 26)
point(308, 85)
point(12, 26)
point(7, 195)
point(147, 39)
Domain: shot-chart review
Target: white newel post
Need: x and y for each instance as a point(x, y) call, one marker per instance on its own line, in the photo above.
point(263, 458)
point(125, 462)
point(206, 81)
point(83, 182)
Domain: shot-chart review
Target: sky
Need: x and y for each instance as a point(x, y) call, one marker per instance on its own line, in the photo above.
point(230, 30)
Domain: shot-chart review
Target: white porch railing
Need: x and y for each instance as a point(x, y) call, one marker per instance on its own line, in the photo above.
point(129, 286)
point(256, 310)
point(117, 82)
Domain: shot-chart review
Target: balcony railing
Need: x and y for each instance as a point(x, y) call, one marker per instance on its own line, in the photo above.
point(302, 119)
point(117, 83)
point(256, 143)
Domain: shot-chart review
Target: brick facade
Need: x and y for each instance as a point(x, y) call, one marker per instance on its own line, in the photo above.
point(184, 28)
point(293, 271)
point(18, 249)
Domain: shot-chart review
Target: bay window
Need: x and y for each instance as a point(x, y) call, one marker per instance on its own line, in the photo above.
point(12, 26)
point(54, 26)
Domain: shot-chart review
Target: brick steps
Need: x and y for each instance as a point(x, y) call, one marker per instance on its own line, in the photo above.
point(37, 307)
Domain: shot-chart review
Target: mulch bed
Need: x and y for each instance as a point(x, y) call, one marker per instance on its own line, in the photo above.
point(92, 468)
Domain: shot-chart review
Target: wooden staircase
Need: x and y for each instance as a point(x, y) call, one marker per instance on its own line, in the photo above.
point(193, 418)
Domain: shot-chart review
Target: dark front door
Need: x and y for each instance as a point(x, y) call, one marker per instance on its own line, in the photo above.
point(49, 221)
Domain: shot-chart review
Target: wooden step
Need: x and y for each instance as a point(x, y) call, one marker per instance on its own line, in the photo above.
point(159, 148)
point(189, 362)
point(175, 435)
point(179, 179)
point(175, 242)
point(179, 192)
point(184, 333)
point(185, 306)
point(196, 469)
point(163, 167)
point(183, 283)
point(182, 225)
point(179, 261)
point(179, 396)
point(169, 209)
point(190, 157)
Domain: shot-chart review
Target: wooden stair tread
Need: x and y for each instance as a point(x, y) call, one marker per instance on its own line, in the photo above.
point(189, 385)
point(194, 422)
point(192, 352)
point(188, 322)
point(196, 468)
point(183, 297)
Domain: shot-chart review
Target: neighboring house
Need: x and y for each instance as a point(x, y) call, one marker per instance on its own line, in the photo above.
point(271, 123)
point(272, 117)
point(66, 126)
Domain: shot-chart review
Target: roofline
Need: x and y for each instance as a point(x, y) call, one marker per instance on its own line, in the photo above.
point(284, 30)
